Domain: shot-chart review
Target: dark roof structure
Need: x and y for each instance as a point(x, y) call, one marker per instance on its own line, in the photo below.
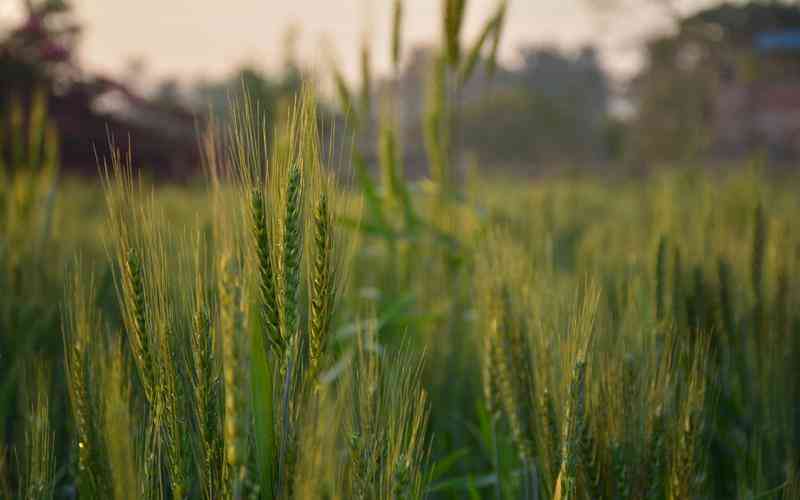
point(90, 110)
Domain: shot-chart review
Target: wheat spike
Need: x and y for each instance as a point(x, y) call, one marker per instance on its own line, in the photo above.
point(321, 288)
point(292, 248)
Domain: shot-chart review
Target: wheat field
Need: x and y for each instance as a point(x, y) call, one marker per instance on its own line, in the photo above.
point(296, 325)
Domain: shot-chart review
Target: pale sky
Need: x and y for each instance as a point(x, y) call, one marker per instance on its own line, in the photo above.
point(194, 38)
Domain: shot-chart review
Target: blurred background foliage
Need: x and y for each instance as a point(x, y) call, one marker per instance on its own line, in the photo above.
point(719, 87)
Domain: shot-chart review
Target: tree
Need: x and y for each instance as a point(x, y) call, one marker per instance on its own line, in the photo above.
point(40, 51)
point(554, 108)
point(677, 91)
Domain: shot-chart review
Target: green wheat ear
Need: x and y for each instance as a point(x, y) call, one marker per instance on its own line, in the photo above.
point(657, 453)
point(491, 31)
point(397, 25)
point(268, 296)
point(321, 282)
point(453, 18)
point(661, 277)
point(80, 326)
point(551, 434)
point(435, 124)
point(757, 270)
point(292, 252)
point(118, 425)
point(574, 422)
point(726, 299)
point(678, 297)
point(589, 460)
point(489, 375)
point(346, 99)
point(203, 343)
point(391, 163)
point(497, 34)
point(134, 298)
point(619, 467)
point(366, 82)
point(37, 472)
point(231, 323)
point(759, 251)
point(507, 379)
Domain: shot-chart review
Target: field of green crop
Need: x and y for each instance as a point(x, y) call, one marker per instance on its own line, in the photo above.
point(294, 325)
point(277, 332)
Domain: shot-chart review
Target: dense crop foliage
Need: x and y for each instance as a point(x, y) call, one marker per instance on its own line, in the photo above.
point(265, 336)
point(634, 340)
